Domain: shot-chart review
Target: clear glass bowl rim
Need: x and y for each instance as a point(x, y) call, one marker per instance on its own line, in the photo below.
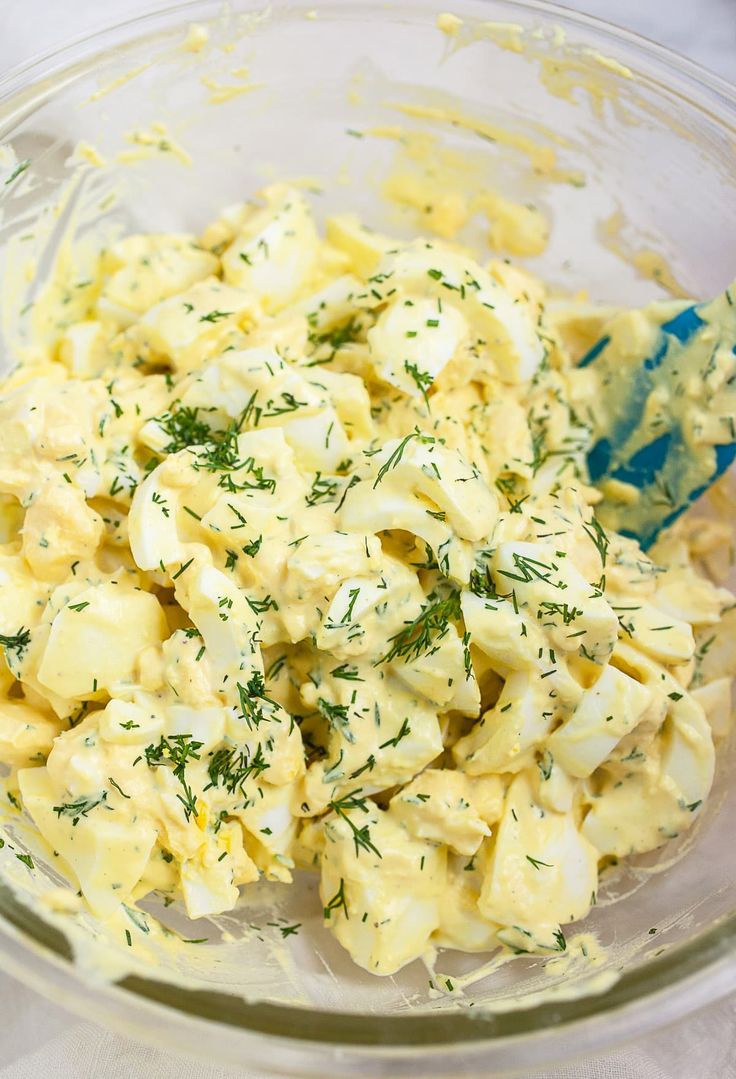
point(662, 991)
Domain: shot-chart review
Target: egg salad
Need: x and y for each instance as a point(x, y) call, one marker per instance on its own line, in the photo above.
point(301, 572)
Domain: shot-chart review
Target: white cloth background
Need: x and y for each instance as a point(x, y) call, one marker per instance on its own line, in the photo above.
point(38, 1039)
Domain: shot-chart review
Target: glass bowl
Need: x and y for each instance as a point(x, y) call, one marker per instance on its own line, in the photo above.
point(628, 149)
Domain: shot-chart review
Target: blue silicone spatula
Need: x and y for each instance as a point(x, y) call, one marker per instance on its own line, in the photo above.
point(664, 413)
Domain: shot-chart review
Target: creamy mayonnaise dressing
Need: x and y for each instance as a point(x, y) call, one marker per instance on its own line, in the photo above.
point(302, 570)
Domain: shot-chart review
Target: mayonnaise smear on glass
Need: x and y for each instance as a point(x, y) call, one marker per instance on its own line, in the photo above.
point(301, 571)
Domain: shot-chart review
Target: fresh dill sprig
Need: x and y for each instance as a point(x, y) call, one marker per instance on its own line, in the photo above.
point(403, 732)
point(16, 643)
point(398, 452)
point(230, 768)
point(529, 569)
point(361, 835)
point(481, 583)
point(598, 536)
point(216, 450)
point(346, 671)
point(177, 749)
point(337, 717)
point(185, 428)
point(254, 703)
point(421, 379)
point(536, 862)
point(80, 808)
point(568, 614)
point(422, 634)
point(337, 902)
point(335, 339)
point(259, 606)
point(322, 490)
point(289, 404)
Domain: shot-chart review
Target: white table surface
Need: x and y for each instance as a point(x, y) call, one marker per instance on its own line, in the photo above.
point(38, 1039)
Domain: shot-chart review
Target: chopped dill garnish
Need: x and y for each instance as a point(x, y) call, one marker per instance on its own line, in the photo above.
point(361, 835)
point(421, 636)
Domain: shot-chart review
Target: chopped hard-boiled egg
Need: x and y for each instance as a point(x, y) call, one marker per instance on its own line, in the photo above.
point(300, 564)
